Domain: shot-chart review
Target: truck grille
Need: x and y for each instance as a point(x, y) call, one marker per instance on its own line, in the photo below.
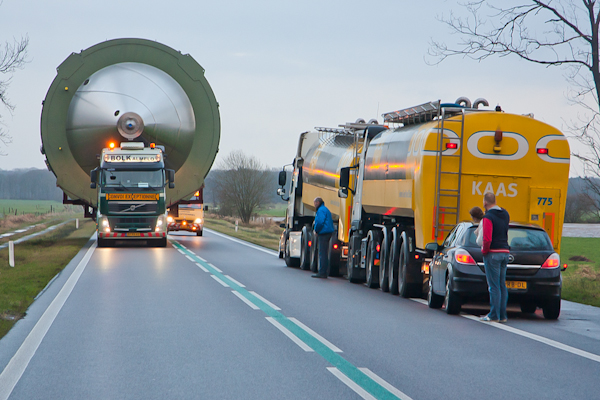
point(133, 222)
point(132, 207)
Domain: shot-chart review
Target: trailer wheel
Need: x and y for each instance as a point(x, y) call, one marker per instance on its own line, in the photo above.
point(403, 286)
point(372, 271)
point(304, 249)
point(393, 262)
point(384, 261)
point(351, 272)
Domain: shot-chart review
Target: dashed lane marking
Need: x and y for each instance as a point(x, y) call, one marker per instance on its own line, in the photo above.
point(216, 278)
point(245, 300)
point(267, 302)
point(201, 267)
point(234, 281)
point(315, 334)
point(290, 335)
point(351, 384)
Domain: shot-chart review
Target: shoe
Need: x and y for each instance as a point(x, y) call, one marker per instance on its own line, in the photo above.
point(487, 319)
point(503, 320)
point(318, 276)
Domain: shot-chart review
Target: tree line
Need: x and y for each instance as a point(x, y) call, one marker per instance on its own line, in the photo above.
point(29, 184)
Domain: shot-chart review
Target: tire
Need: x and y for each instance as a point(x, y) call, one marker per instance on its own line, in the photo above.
point(403, 286)
point(551, 308)
point(393, 263)
point(372, 273)
point(199, 233)
point(162, 242)
point(434, 300)
point(289, 261)
point(528, 308)
point(452, 301)
point(334, 257)
point(349, 267)
point(304, 249)
point(102, 242)
point(383, 263)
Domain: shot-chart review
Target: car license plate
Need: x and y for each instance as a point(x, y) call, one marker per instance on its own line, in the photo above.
point(519, 285)
point(138, 234)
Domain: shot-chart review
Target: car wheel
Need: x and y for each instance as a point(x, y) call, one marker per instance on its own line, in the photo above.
point(434, 300)
point(393, 265)
point(451, 300)
point(372, 278)
point(528, 307)
point(551, 308)
point(383, 263)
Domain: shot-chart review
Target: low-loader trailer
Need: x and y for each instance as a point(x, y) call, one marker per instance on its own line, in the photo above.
point(394, 188)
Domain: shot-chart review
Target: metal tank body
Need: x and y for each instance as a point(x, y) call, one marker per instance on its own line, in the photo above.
point(129, 90)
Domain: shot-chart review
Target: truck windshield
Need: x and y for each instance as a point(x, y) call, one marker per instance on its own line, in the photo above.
point(133, 179)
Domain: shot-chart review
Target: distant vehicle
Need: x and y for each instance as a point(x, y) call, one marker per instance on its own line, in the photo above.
point(533, 278)
point(189, 216)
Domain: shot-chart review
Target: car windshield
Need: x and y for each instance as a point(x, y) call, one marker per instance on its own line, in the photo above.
point(522, 239)
point(133, 179)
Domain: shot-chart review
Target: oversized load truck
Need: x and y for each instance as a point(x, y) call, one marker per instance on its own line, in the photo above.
point(121, 123)
point(396, 189)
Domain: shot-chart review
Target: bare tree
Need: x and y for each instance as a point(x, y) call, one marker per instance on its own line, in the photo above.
point(12, 56)
point(243, 185)
point(551, 33)
point(579, 206)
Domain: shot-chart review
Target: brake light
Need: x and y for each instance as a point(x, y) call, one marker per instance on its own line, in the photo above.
point(309, 243)
point(542, 151)
point(451, 146)
point(552, 262)
point(463, 257)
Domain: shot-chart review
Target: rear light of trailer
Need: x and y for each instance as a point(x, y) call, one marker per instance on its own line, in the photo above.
point(463, 257)
point(309, 243)
point(336, 246)
point(552, 262)
point(451, 146)
point(345, 251)
point(542, 151)
point(378, 248)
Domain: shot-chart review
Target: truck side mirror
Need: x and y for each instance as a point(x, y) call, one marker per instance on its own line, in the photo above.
point(432, 246)
point(93, 178)
point(343, 193)
point(345, 178)
point(280, 191)
point(282, 178)
point(205, 208)
point(171, 178)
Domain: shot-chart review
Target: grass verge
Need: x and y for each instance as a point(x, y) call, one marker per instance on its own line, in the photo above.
point(266, 235)
point(581, 280)
point(37, 261)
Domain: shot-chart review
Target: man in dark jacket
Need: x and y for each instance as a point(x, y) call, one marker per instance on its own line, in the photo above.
point(324, 228)
point(495, 251)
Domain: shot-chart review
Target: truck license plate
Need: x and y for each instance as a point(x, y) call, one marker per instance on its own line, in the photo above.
point(519, 285)
point(139, 234)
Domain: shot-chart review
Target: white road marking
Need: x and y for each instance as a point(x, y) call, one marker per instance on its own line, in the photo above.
point(290, 335)
point(245, 300)
point(234, 281)
point(202, 267)
point(386, 385)
point(420, 301)
point(267, 302)
point(220, 281)
point(320, 338)
point(199, 257)
point(212, 265)
point(350, 383)
point(181, 251)
point(190, 258)
point(541, 339)
point(271, 252)
point(17, 365)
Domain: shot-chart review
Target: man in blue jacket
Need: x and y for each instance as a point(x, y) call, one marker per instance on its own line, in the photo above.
point(324, 228)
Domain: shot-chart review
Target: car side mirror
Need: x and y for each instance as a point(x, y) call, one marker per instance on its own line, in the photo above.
point(433, 246)
point(282, 178)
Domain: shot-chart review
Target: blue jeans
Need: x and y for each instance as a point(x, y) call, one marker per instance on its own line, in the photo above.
point(495, 272)
point(324, 254)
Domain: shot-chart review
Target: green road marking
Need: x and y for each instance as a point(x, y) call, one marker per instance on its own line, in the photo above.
point(347, 368)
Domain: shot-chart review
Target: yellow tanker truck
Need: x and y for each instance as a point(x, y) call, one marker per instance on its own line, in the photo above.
point(394, 188)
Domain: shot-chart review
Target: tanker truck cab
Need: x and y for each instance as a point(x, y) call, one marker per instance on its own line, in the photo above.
point(131, 183)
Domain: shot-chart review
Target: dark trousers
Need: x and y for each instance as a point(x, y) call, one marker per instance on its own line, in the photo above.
point(324, 254)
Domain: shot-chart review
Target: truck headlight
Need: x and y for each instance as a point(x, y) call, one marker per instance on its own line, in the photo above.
point(103, 224)
point(159, 223)
point(198, 221)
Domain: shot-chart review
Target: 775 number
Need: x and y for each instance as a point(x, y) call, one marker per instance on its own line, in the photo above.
point(545, 201)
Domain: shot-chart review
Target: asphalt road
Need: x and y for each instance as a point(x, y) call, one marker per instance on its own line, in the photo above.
point(212, 318)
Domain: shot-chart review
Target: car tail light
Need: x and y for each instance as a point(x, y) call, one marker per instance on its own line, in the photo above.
point(463, 257)
point(552, 262)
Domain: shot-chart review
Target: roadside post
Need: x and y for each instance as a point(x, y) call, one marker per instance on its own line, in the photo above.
point(76, 223)
point(236, 225)
point(11, 253)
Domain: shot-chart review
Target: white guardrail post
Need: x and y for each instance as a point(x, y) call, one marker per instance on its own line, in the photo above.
point(11, 253)
point(76, 223)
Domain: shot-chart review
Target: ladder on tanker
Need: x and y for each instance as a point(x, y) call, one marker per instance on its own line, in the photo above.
point(448, 171)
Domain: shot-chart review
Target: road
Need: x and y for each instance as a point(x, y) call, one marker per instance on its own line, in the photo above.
point(213, 318)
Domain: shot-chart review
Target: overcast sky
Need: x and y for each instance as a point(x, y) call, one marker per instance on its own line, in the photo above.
point(277, 68)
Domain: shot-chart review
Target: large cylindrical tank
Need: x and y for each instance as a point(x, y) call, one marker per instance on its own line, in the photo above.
point(129, 90)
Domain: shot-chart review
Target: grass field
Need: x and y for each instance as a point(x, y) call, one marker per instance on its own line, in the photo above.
point(581, 280)
point(36, 262)
point(277, 210)
point(266, 235)
point(19, 207)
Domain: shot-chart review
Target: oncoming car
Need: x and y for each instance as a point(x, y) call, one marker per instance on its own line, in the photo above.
point(533, 277)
